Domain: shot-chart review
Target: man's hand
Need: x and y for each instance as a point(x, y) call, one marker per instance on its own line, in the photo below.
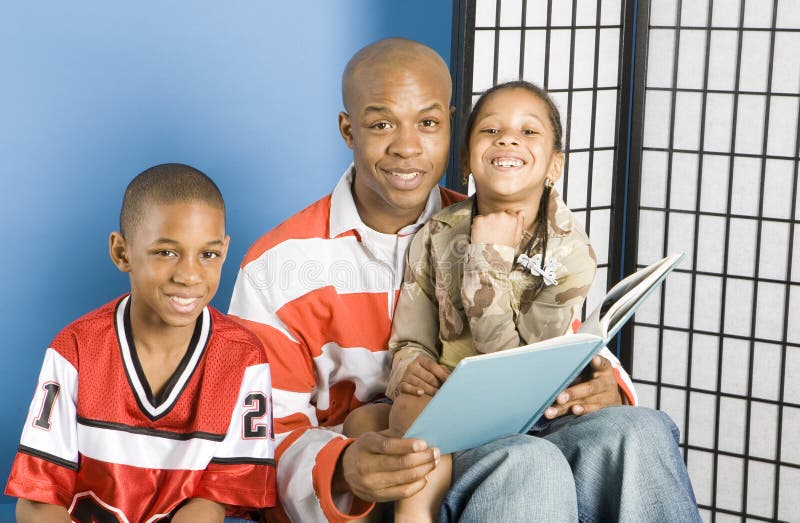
point(422, 376)
point(380, 468)
point(501, 228)
point(599, 391)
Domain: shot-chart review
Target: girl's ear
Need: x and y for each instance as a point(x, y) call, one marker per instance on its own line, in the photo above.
point(556, 166)
point(118, 250)
point(463, 156)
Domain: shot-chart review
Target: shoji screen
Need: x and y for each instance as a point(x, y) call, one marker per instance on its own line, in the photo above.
point(571, 48)
point(691, 147)
point(720, 350)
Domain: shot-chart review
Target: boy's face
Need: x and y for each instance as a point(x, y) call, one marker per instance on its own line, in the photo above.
point(174, 257)
point(399, 129)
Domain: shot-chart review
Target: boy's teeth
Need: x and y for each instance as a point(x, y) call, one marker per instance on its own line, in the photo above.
point(405, 176)
point(507, 162)
point(183, 301)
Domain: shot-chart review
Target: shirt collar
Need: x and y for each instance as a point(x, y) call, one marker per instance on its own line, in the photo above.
point(344, 214)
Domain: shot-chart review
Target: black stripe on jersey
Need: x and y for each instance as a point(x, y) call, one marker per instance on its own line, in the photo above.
point(48, 457)
point(243, 461)
point(176, 376)
point(182, 436)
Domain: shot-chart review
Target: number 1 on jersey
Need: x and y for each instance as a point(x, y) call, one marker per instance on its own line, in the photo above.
point(51, 390)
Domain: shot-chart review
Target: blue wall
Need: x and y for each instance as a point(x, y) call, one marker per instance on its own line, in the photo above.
point(94, 92)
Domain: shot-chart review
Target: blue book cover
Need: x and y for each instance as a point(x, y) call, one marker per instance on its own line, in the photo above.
point(494, 395)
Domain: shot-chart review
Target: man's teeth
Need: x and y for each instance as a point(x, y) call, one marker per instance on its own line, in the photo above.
point(406, 176)
point(507, 162)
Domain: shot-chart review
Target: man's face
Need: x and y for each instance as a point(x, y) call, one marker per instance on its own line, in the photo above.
point(399, 129)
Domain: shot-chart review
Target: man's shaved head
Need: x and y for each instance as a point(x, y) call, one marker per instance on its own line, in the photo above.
point(389, 54)
point(165, 184)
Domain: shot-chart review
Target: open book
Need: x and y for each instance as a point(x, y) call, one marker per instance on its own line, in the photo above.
point(493, 395)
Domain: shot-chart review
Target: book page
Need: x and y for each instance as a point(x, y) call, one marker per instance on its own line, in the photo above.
point(622, 300)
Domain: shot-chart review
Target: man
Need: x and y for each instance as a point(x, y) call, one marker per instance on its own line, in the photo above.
point(320, 291)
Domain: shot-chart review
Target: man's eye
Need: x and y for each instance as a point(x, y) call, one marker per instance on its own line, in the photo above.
point(429, 123)
point(210, 255)
point(380, 125)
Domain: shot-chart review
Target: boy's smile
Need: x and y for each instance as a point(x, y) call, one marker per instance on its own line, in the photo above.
point(174, 257)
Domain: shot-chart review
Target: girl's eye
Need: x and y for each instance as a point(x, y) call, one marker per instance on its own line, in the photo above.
point(491, 131)
point(530, 132)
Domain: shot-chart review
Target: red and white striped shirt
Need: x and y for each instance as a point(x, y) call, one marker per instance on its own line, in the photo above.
point(319, 290)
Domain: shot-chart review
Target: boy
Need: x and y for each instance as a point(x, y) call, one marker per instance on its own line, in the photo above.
point(154, 405)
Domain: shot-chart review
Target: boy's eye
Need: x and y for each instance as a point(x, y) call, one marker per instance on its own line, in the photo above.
point(491, 130)
point(166, 253)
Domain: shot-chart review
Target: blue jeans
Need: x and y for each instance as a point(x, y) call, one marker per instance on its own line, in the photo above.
point(617, 464)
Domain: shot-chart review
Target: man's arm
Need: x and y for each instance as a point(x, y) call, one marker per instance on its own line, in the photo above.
point(306, 454)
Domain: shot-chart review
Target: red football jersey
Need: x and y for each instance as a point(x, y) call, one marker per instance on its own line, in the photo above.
point(99, 442)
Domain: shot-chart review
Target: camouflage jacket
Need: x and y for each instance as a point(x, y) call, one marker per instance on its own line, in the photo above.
point(459, 299)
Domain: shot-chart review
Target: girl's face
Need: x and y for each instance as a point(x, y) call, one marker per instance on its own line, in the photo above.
point(511, 149)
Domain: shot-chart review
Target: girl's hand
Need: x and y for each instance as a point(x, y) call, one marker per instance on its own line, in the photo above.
point(423, 376)
point(500, 228)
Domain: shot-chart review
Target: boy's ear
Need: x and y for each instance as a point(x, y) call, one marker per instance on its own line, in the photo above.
point(118, 250)
point(346, 128)
point(227, 242)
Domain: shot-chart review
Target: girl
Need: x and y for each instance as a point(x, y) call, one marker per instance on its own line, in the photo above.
point(507, 267)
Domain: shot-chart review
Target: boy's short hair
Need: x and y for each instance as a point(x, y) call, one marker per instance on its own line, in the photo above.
point(166, 183)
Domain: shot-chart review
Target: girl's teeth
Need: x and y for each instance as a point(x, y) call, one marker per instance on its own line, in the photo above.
point(507, 162)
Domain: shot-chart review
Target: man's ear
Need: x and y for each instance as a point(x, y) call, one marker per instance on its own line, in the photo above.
point(452, 113)
point(346, 128)
point(118, 250)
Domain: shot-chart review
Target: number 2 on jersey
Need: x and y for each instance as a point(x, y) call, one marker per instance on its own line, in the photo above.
point(257, 401)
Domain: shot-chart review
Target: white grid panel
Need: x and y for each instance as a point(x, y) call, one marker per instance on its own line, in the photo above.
point(571, 48)
point(720, 350)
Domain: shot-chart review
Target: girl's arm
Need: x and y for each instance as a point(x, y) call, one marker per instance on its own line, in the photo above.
point(486, 291)
point(415, 326)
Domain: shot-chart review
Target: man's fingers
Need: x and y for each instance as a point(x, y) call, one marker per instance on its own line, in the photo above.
point(395, 492)
point(600, 363)
point(581, 391)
